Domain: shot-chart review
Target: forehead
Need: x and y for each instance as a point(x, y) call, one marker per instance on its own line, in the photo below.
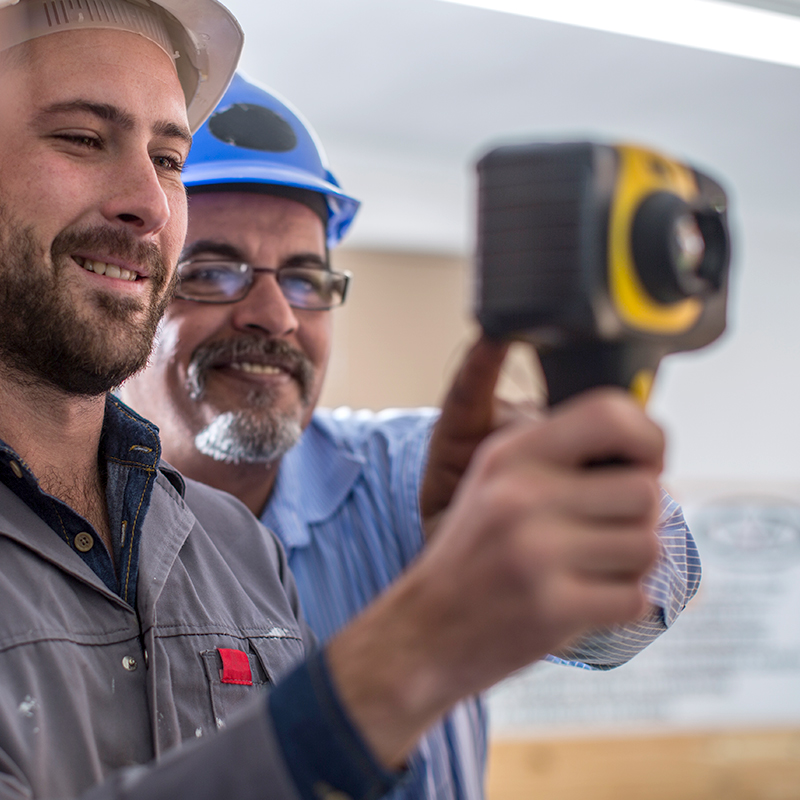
point(257, 225)
point(98, 66)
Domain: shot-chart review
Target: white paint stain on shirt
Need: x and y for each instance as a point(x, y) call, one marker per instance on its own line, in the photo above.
point(27, 706)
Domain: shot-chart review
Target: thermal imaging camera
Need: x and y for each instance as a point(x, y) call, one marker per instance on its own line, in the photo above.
point(604, 257)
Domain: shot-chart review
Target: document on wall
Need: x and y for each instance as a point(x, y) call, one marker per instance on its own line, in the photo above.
point(732, 659)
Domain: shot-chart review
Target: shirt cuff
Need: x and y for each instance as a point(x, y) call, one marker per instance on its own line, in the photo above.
point(324, 753)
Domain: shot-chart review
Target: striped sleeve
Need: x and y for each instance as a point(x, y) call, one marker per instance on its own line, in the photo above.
point(670, 586)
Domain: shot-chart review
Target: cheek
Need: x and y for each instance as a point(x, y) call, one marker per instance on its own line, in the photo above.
point(315, 336)
point(174, 344)
point(48, 198)
point(164, 345)
point(183, 329)
point(175, 233)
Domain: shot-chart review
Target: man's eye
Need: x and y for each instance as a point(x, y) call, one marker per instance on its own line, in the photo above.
point(81, 139)
point(305, 282)
point(208, 274)
point(168, 163)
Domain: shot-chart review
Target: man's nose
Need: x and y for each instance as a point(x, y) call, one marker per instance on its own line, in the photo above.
point(265, 307)
point(137, 197)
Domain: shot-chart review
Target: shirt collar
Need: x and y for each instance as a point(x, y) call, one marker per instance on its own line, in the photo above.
point(314, 479)
point(130, 438)
point(127, 437)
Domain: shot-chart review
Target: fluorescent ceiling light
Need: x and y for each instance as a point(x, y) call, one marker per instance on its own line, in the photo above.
point(714, 25)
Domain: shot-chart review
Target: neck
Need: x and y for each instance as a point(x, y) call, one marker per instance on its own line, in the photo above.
point(58, 436)
point(250, 483)
point(50, 429)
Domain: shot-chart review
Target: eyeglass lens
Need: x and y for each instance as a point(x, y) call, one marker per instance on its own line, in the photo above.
point(227, 282)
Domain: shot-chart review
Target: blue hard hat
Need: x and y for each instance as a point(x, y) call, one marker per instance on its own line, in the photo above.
point(256, 138)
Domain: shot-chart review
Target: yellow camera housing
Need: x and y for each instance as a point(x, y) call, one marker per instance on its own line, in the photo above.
point(604, 257)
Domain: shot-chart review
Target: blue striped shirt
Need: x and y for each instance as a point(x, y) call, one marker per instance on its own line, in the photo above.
point(345, 505)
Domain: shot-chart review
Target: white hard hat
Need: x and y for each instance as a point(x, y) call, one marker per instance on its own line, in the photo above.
point(201, 36)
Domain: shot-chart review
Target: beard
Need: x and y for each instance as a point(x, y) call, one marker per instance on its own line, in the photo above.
point(244, 437)
point(84, 348)
point(261, 432)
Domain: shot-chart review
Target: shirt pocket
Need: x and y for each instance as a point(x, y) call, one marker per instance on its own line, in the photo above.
point(278, 655)
point(234, 678)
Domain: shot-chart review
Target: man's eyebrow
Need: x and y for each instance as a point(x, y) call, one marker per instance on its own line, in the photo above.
point(111, 113)
point(306, 259)
point(212, 248)
point(172, 130)
point(104, 111)
point(209, 247)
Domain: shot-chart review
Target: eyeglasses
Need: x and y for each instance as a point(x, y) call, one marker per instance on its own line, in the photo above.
point(314, 288)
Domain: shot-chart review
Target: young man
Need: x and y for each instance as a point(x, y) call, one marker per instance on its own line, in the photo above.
point(235, 376)
point(138, 611)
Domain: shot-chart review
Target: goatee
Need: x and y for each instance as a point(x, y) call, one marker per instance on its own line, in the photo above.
point(259, 433)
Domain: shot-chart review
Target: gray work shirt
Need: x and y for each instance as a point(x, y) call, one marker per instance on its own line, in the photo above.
point(90, 684)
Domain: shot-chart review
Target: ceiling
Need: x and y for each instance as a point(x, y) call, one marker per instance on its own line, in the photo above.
point(782, 6)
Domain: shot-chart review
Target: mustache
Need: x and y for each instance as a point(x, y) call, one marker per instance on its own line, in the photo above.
point(115, 244)
point(254, 347)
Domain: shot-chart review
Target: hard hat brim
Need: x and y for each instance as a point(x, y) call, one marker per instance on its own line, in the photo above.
point(342, 207)
point(202, 37)
point(218, 40)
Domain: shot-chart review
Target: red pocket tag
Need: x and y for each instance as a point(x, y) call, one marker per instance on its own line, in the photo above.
point(235, 667)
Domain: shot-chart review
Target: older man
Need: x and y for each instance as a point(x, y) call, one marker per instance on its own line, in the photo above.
point(236, 374)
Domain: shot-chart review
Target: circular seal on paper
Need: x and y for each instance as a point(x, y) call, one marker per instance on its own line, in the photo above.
point(754, 533)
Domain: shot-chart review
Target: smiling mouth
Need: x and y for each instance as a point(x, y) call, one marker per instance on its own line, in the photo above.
point(257, 369)
point(251, 356)
point(109, 270)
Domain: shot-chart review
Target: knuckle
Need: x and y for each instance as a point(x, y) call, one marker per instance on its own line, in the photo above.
point(645, 494)
point(653, 546)
point(626, 606)
point(647, 550)
point(491, 455)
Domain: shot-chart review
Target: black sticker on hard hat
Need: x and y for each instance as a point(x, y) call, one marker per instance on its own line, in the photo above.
point(253, 127)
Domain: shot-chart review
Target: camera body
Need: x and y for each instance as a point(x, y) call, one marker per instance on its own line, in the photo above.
point(604, 257)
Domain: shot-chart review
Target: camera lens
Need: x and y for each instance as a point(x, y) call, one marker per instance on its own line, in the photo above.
point(678, 251)
point(688, 245)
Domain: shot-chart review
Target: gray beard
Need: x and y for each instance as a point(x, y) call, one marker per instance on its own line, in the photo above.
point(258, 433)
point(248, 437)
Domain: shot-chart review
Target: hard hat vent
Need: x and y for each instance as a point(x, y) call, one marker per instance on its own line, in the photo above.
point(253, 127)
point(60, 14)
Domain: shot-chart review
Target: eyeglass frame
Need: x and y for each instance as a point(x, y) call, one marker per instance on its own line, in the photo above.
point(254, 270)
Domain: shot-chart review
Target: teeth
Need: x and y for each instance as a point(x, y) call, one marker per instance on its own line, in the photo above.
point(257, 369)
point(109, 270)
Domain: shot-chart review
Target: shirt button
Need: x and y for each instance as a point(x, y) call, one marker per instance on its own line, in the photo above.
point(16, 468)
point(84, 542)
point(129, 662)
